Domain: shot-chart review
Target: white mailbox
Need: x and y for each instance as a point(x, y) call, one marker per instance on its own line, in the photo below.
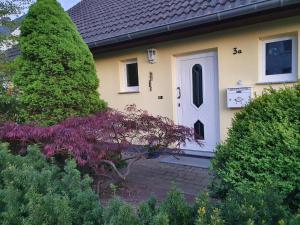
point(238, 97)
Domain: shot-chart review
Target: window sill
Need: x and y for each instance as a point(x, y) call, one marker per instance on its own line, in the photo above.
point(276, 82)
point(128, 92)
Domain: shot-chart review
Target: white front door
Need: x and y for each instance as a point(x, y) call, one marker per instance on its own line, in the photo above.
point(197, 99)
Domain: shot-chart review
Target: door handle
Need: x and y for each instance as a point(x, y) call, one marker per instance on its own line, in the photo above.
point(179, 93)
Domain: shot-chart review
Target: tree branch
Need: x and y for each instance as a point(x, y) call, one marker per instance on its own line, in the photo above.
point(118, 172)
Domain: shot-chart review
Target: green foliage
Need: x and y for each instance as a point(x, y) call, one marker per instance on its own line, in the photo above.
point(173, 211)
point(152, 203)
point(262, 148)
point(177, 209)
point(207, 213)
point(33, 191)
point(8, 107)
point(8, 97)
point(56, 74)
point(261, 208)
point(295, 220)
point(244, 207)
point(112, 208)
point(161, 219)
point(147, 212)
point(213, 218)
point(119, 213)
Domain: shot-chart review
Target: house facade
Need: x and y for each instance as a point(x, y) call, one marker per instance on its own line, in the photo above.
point(196, 62)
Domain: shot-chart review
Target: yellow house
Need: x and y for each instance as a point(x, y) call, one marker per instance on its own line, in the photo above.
point(194, 61)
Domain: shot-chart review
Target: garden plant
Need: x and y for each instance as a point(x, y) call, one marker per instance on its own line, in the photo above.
point(263, 147)
point(55, 73)
point(98, 141)
point(66, 130)
point(34, 191)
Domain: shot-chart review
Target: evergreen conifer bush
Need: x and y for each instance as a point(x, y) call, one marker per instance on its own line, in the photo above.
point(34, 191)
point(177, 209)
point(263, 147)
point(55, 74)
point(244, 207)
point(260, 207)
point(145, 214)
point(295, 220)
point(8, 107)
point(119, 213)
point(161, 219)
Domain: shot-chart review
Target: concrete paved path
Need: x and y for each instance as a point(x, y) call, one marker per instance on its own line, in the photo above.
point(151, 177)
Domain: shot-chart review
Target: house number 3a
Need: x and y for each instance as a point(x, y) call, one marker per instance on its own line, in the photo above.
point(237, 51)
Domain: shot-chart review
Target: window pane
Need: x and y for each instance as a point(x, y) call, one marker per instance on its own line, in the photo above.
point(197, 85)
point(199, 130)
point(279, 57)
point(132, 75)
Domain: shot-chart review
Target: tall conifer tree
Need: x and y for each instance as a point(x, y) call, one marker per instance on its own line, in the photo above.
point(56, 74)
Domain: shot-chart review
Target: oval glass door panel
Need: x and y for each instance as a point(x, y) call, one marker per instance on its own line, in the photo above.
point(197, 85)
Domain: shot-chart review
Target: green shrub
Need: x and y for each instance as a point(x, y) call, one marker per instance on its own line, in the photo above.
point(34, 191)
point(152, 203)
point(8, 107)
point(147, 210)
point(262, 148)
point(295, 220)
point(161, 219)
point(113, 207)
point(145, 214)
point(119, 213)
point(259, 207)
point(207, 212)
point(244, 207)
point(8, 98)
point(213, 218)
point(55, 74)
point(177, 209)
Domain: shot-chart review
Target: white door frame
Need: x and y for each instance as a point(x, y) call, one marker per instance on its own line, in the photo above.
point(179, 115)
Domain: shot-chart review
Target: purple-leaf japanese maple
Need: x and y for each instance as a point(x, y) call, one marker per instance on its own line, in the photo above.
point(100, 139)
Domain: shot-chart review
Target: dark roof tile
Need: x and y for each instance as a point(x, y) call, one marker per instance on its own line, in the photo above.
point(98, 20)
point(12, 53)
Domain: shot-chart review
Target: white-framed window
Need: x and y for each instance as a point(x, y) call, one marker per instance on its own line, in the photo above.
point(279, 60)
point(131, 76)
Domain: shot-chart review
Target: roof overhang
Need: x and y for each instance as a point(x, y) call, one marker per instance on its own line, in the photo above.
point(251, 14)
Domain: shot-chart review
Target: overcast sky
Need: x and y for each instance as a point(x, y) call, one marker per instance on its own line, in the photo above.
point(68, 3)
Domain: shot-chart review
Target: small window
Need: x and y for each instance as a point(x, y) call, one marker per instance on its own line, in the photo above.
point(280, 60)
point(131, 78)
point(197, 85)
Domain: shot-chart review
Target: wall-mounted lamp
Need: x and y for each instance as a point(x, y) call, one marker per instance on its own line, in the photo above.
point(152, 55)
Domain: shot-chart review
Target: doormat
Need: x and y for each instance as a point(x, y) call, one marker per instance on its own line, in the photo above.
point(187, 161)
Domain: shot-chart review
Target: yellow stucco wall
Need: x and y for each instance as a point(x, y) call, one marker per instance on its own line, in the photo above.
point(231, 68)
